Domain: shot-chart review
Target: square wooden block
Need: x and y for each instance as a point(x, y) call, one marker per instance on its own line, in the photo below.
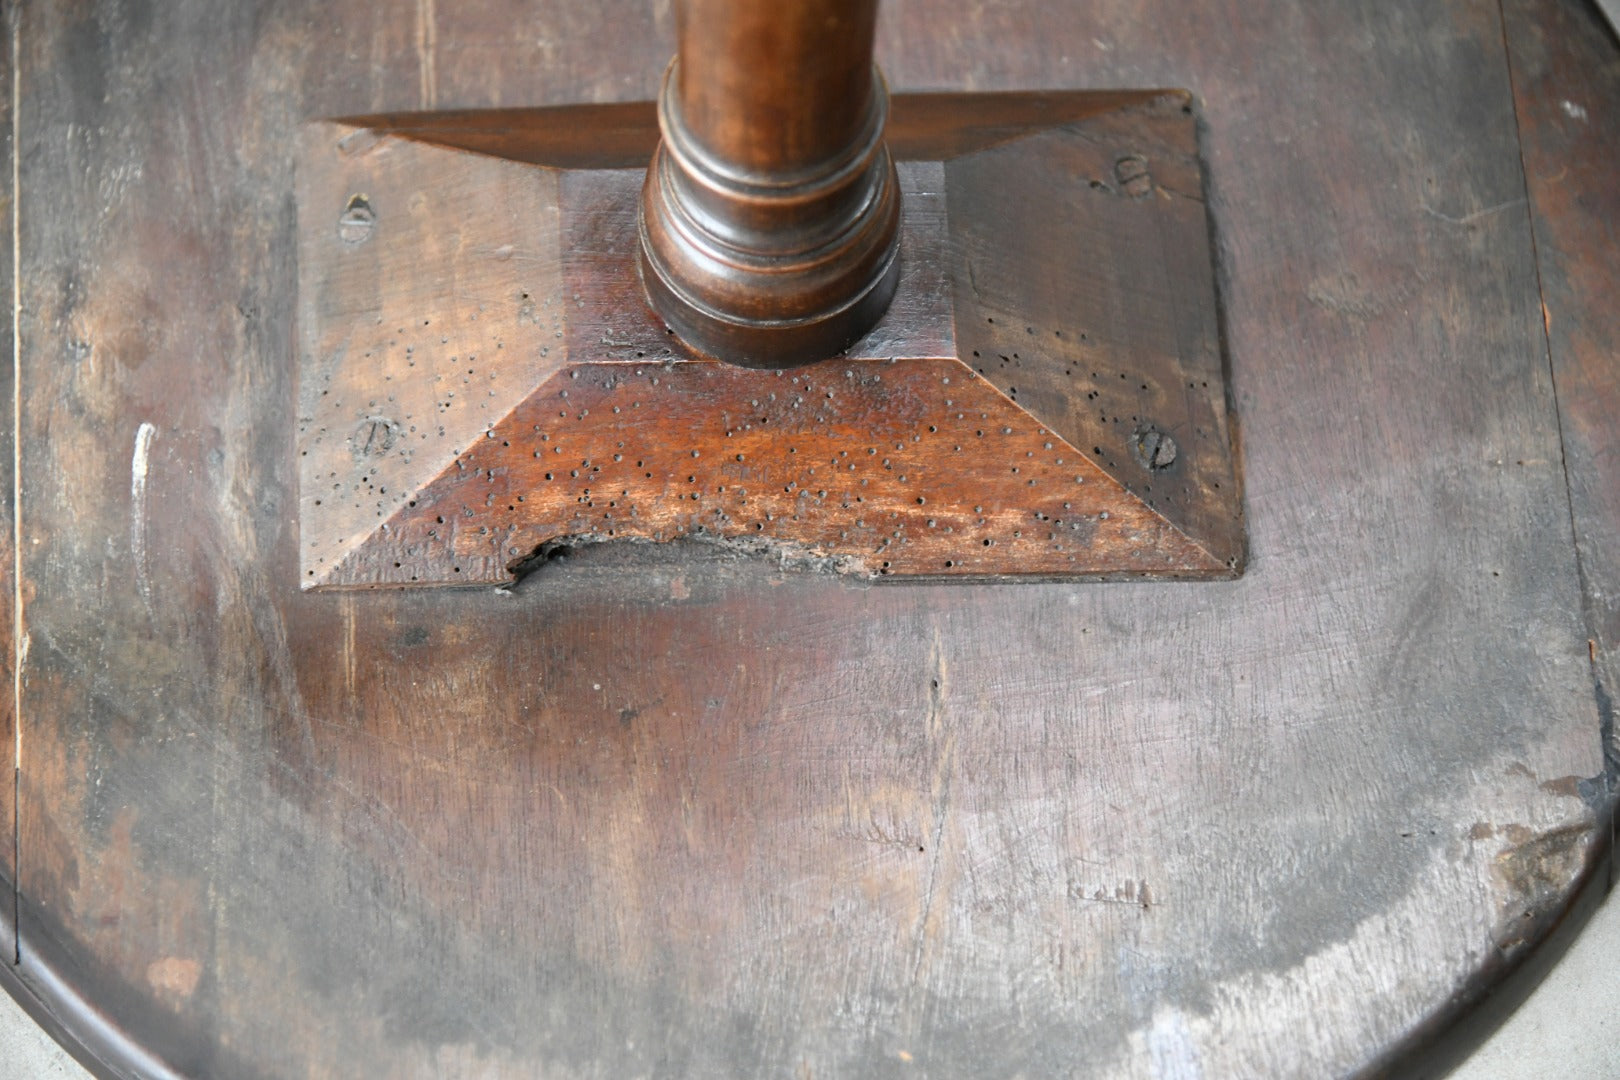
point(482, 382)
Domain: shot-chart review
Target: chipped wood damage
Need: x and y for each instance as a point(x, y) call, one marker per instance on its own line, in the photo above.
point(447, 832)
point(481, 379)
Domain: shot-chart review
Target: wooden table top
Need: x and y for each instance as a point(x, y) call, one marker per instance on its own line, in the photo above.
point(665, 812)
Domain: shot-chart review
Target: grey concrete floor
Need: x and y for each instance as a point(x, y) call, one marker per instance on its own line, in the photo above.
point(1568, 1028)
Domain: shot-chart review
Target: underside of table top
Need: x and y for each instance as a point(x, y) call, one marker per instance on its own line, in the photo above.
point(667, 810)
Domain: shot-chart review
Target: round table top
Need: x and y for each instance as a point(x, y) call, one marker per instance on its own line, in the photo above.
point(661, 811)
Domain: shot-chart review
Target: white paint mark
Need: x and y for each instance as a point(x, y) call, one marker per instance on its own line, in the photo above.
point(138, 466)
point(1172, 1051)
point(1573, 111)
point(137, 507)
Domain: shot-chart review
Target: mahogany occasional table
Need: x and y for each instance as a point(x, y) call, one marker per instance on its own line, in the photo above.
point(672, 809)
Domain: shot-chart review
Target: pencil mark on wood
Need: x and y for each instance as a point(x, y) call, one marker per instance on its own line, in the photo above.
point(375, 436)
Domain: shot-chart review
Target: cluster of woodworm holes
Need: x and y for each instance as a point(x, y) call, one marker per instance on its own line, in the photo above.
point(1003, 367)
point(878, 521)
point(401, 432)
point(376, 434)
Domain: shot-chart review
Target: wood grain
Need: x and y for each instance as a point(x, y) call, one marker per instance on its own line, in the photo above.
point(1566, 81)
point(482, 381)
point(769, 222)
point(687, 815)
point(8, 562)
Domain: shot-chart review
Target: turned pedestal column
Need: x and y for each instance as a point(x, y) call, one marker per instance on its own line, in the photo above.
point(769, 219)
point(526, 332)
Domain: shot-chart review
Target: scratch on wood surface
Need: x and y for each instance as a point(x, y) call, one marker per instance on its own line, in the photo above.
point(944, 743)
point(1469, 219)
point(1136, 894)
point(348, 645)
point(19, 637)
point(426, 47)
point(24, 640)
point(139, 461)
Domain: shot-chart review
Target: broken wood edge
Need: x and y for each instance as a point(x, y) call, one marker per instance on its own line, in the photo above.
point(946, 126)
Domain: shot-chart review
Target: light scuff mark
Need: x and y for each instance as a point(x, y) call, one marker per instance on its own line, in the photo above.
point(139, 463)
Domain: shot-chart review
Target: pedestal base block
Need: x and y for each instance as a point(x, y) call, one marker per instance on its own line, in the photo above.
point(482, 382)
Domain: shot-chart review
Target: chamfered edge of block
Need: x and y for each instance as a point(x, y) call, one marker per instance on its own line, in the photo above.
point(1216, 555)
